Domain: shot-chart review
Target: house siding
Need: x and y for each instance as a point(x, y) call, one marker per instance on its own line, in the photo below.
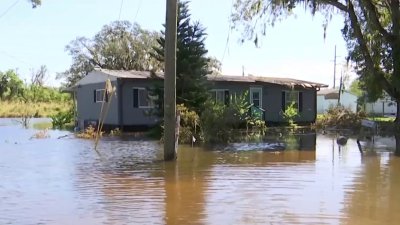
point(136, 116)
point(88, 109)
point(272, 99)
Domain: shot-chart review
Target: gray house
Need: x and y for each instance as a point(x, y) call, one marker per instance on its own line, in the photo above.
point(131, 106)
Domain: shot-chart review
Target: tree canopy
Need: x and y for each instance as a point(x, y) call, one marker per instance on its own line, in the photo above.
point(371, 30)
point(117, 46)
point(192, 64)
point(35, 3)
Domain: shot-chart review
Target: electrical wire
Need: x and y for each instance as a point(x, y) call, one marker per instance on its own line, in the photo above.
point(137, 11)
point(120, 10)
point(8, 9)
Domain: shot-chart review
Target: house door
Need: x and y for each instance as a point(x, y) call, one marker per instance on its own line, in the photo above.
point(256, 96)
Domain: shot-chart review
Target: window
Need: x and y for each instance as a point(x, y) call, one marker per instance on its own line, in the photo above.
point(220, 96)
point(141, 98)
point(99, 95)
point(292, 96)
point(256, 96)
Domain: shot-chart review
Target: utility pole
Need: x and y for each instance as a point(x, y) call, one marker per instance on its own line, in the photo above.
point(334, 70)
point(170, 144)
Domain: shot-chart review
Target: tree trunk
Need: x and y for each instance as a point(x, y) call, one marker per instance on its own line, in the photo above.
point(397, 137)
point(397, 120)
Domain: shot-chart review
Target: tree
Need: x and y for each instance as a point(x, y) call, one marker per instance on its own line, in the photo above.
point(371, 30)
point(118, 46)
point(35, 3)
point(11, 86)
point(191, 61)
point(38, 77)
point(355, 88)
point(215, 66)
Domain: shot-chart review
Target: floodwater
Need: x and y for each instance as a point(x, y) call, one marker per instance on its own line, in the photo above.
point(64, 181)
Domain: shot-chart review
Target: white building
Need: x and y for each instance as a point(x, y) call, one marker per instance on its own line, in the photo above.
point(328, 97)
point(383, 106)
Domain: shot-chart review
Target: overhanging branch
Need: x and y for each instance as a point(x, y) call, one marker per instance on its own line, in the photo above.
point(355, 24)
point(374, 16)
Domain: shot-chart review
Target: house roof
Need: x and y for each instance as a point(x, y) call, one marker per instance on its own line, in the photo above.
point(272, 80)
point(331, 93)
point(132, 74)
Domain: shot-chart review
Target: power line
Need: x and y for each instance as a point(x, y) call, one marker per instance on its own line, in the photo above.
point(120, 9)
point(8, 9)
point(227, 39)
point(138, 9)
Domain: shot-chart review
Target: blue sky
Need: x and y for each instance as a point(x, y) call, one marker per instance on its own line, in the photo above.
point(292, 48)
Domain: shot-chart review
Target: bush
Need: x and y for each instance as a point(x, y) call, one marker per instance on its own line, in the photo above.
point(188, 125)
point(225, 123)
point(290, 113)
point(61, 119)
point(340, 118)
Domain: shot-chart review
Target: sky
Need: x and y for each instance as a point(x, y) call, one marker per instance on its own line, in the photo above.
point(293, 48)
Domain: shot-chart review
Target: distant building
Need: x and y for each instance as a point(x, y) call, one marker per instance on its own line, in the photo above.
point(328, 97)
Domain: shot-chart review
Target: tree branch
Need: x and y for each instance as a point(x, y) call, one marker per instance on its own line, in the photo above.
point(336, 4)
point(355, 24)
point(372, 15)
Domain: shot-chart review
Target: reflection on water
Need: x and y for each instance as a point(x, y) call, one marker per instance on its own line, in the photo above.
point(64, 181)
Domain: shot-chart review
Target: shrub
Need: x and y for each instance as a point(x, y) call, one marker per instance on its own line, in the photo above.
point(89, 133)
point(340, 118)
point(61, 119)
point(225, 123)
point(290, 113)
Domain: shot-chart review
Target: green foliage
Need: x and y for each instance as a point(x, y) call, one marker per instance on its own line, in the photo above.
point(61, 119)
point(371, 30)
point(188, 125)
point(11, 86)
point(290, 114)
point(192, 65)
point(225, 123)
point(340, 117)
point(355, 88)
point(118, 46)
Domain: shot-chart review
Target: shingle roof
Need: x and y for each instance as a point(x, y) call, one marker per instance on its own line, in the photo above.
point(220, 78)
point(272, 80)
point(133, 74)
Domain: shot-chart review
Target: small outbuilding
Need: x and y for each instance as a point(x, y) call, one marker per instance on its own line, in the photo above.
point(328, 97)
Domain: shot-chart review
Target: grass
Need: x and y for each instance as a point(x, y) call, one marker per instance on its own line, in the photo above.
point(13, 109)
point(382, 119)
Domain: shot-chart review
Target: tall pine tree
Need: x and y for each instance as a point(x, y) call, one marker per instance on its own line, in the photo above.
point(191, 61)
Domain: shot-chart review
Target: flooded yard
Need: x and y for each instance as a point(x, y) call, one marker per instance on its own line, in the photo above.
point(307, 179)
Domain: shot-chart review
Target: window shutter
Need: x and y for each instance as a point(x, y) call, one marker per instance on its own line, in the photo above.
point(135, 98)
point(226, 95)
point(300, 101)
point(94, 96)
point(283, 101)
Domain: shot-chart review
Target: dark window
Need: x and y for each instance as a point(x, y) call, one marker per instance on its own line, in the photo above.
point(142, 99)
point(100, 95)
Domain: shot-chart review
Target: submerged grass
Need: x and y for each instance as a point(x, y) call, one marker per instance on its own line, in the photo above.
point(13, 109)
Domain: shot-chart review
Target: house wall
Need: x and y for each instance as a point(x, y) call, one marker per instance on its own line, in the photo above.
point(88, 109)
point(381, 107)
point(347, 100)
point(136, 116)
point(272, 99)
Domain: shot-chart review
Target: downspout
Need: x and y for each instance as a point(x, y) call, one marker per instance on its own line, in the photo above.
point(120, 86)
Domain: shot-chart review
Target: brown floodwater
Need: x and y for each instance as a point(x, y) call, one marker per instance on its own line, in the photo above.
point(64, 181)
